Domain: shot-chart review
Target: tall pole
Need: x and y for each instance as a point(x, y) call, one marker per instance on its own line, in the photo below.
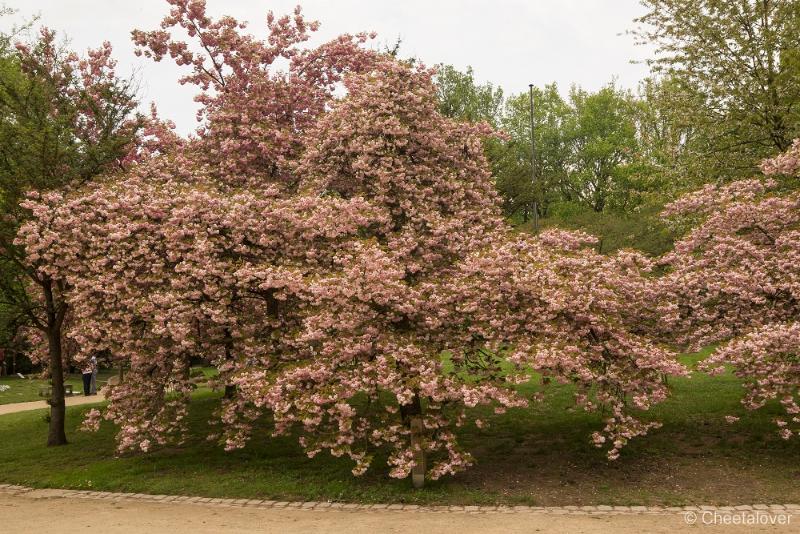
point(533, 168)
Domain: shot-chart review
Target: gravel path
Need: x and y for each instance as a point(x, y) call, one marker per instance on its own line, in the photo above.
point(75, 400)
point(24, 510)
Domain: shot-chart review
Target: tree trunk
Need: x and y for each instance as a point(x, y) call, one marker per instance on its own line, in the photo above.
point(56, 435)
point(56, 311)
point(230, 389)
point(418, 471)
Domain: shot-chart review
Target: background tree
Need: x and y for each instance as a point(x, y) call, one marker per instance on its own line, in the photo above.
point(461, 97)
point(64, 120)
point(511, 158)
point(738, 64)
point(666, 136)
point(610, 148)
point(604, 149)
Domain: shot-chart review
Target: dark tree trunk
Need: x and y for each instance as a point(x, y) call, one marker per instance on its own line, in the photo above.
point(230, 389)
point(58, 409)
point(55, 320)
point(407, 411)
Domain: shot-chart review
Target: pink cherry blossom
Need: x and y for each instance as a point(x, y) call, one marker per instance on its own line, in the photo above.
point(735, 279)
point(340, 258)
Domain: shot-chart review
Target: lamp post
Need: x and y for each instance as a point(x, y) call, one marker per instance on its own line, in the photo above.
point(533, 168)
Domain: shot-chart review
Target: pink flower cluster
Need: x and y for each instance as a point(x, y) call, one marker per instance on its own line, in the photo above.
point(735, 278)
point(565, 313)
point(787, 163)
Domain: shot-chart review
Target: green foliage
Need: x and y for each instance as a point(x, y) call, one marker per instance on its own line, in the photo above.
point(667, 137)
point(604, 167)
point(590, 149)
point(461, 97)
point(734, 68)
point(511, 160)
point(641, 229)
point(44, 140)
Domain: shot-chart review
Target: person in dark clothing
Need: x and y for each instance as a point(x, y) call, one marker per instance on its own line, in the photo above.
point(87, 378)
point(93, 382)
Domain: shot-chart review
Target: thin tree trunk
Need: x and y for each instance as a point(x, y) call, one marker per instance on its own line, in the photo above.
point(418, 471)
point(56, 434)
point(55, 321)
point(230, 389)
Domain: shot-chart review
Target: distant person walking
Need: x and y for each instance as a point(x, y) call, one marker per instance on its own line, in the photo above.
point(93, 386)
point(87, 377)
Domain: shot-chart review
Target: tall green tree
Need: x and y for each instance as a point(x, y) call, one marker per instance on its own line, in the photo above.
point(462, 97)
point(667, 135)
point(737, 64)
point(590, 150)
point(604, 167)
point(64, 120)
point(511, 160)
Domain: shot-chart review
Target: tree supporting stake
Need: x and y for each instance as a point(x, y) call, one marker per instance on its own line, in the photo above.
point(418, 471)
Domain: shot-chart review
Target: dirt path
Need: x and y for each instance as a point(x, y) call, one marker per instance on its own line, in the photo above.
point(76, 400)
point(38, 511)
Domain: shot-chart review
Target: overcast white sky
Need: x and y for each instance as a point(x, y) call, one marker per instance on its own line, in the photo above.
point(508, 42)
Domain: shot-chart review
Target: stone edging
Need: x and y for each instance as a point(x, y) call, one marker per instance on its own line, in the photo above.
point(789, 509)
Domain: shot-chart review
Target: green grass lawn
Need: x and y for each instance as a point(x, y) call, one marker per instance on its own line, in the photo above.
point(539, 456)
point(27, 389)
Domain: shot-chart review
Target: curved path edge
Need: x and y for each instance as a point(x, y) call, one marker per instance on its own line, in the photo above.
point(75, 400)
point(788, 509)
